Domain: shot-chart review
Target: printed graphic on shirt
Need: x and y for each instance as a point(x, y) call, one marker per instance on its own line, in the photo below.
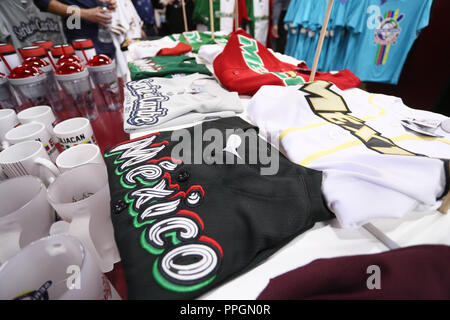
point(192, 36)
point(147, 106)
point(387, 34)
point(331, 107)
point(39, 294)
point(148, 64)
point(186, 258)
point(249, 49)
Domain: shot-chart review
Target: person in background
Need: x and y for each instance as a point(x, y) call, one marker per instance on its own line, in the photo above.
point(147, 14)
point(22, 23)
point(92, 15)
point(279, 8)
point(174, 15)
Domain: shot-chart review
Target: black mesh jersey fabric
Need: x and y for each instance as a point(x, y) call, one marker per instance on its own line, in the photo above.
point(184, 227)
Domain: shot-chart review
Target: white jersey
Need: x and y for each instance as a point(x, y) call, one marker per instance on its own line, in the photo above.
point(149, 48)
point(157, 103)
point(373, 166)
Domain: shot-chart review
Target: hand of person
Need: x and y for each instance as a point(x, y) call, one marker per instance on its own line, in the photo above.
point(275, 31)
point(112, 5)
point(96, 15)
point(143, 34)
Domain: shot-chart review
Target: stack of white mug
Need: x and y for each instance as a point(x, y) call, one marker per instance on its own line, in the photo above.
point(43, 255)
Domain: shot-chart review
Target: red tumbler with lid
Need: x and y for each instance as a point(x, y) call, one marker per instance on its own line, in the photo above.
point(74, 79)
point(9, 59)
point(54, 94)
point(31, 84)
point(84, 49)
point(58, 50)
point(103, 71)
point(7, 99)
point(47, 45)
point(69, 58)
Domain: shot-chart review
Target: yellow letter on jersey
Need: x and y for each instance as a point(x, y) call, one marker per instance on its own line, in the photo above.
point(321, 98)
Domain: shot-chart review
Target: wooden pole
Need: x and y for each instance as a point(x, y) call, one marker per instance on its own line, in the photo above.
point(321, 38)
point(183, 4)
point(236, 15)
point(211, 18)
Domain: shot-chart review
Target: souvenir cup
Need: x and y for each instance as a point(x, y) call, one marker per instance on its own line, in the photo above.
point(58, 50)
point(7, 98)
point(81, 196)
point(54, 92)
point(33, 131)
point(104, 74)
point(31, 84)
point(25, 214)
point(74, 131)
point(42, 114)
point(69, 58)
point(28, 158)
point(79, 155)
point(84, 49)
point(56, 267)
point(8, 57)
point(74, 79)
point(47, 45)
point(8, 120)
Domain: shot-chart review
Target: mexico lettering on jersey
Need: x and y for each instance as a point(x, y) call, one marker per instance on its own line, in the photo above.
point(185, 258)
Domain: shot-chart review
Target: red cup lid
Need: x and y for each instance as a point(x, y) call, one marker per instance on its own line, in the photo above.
point(68, 58)
point(6, 48)
point(82, 44)
point(46, 44)
point(35, 62)
point(32, 51)
point(61, 49)
point(99, 60)
point(69, 68)
point(22, 71)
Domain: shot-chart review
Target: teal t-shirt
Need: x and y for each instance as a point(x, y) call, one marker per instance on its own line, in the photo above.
point(388, 33)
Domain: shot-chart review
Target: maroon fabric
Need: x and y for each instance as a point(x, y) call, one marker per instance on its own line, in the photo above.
point(419, 272)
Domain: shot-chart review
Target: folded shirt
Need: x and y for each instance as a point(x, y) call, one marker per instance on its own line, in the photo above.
point(165, 46)
point(155, 103)
point(374, 167)
point(165, 66)
point(197, 39)
point(184, 225)
point(418, 272)
point(245, 65)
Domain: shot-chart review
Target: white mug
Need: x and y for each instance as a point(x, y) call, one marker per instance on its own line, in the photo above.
point(79, 155)
point(8, 120)
point(81, 196)
point(42, 114)
point(74, 131)
point(28, 158)
point(25, 214)
point(56, 267)
point(33, 131)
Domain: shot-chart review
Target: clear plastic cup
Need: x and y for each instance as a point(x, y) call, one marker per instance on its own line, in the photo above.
point(31, 84)
point(104, 74)
point(75, 81)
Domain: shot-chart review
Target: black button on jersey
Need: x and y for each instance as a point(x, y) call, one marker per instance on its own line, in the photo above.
point(183, 176)
point(119, 206)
